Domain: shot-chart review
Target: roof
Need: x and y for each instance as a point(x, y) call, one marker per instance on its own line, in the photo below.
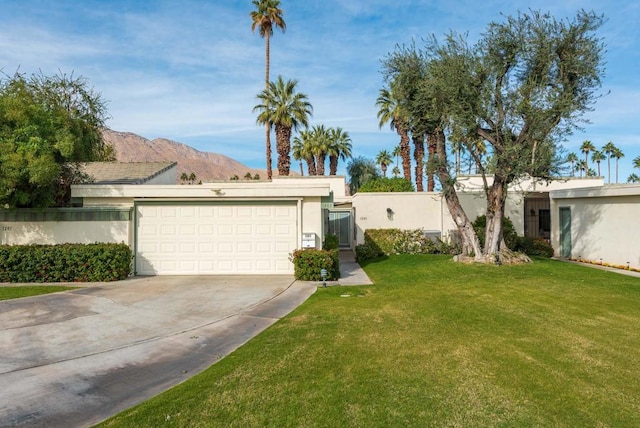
point(125, 172)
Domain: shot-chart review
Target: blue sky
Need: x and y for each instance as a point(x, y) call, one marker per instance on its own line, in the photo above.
point(190, 70)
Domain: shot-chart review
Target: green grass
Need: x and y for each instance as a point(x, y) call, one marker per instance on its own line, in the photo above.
point(432, 343)
point(10, 292)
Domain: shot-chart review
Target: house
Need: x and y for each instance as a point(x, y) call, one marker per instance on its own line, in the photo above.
point(253, 227)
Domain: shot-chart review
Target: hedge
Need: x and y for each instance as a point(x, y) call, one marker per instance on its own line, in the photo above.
point(308, 263)
point(380, 242)
point(65, 262)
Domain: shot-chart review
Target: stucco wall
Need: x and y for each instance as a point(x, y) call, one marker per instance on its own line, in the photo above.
point(52, 232)
point(604, 224)
point(311, 220)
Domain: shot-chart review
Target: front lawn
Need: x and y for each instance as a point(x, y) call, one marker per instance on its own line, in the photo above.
point(11, 292)
point(432, 343)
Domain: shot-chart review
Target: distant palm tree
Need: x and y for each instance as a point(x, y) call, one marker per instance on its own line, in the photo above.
point(597, 156)
point(617, 154)
point(267, 16)
point(287, 110)
point(303, 150)
point(384, 159)
point(636, 162)
point(234, 177)
point(390, 111)
point(585, 148)
point(396, 171)
point(573, 158)
point(248, 176)
point(184, 177)
point(609, 149)
point(320, 137)
point(581, 166)
point(396, 153)
point(339, 148)
point(192, 178)
point(633, 178)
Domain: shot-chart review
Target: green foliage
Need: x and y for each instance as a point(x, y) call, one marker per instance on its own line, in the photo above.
point(308, 263)
point(534, 247)
point(47, 125)
point(20, 291)
point(64, 263)
point(384, 184)
point(360, 171)
point(508, 231)
point(380, 242)
point(330, 242)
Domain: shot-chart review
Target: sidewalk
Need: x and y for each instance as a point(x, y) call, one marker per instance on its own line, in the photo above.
point(350, 272)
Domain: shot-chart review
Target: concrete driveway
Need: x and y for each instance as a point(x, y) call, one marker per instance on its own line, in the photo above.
point(76, 358)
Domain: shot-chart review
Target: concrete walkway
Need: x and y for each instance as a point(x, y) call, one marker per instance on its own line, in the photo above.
point(75, 358)
point(350, 272)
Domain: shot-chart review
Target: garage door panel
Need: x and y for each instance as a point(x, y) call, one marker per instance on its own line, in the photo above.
point(216, 239)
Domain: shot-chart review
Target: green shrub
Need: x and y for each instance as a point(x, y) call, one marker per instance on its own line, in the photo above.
point(379, 242)
point(508, 231)
point(383, 184)
point(330, 242)
point(534, 247)
point(308, 263)
point(65, 263)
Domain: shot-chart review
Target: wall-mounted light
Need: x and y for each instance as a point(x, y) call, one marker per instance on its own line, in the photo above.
point(217, 191)
point(390, 213)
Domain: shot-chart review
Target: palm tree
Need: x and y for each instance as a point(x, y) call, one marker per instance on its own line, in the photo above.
point(633, 178)
point(320, 137)
point(581, 166)
point(585, 148)
point(287, 110)
point(617, 153)
point(573, 158)
point(384, 159)
point(184, 177)
point(248, 176)
point(636, 162)
point(609, 149)
point(418, 155)
point(303, 150)
point(267, 16)
point(396, 153)
point(396, 171)
point(597, 156)
point(391, 112)
point(192, 178)
point(339, 148)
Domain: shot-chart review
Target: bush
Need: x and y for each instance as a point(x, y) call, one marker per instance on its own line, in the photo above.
point(330, 242)
point(308, 263)
point(508, 231)
point(396, 184)
point(534, 247)
point(379, 242)
point(65, 263)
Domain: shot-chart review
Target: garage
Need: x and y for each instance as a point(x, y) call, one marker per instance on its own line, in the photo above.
point(195, 238)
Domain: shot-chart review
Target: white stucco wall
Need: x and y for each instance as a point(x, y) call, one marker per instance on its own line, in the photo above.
point(52, 232)
point(605, 223)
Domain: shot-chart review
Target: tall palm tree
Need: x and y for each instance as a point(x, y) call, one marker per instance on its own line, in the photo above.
point(633, 178)
point(390, 111)
point(384, 159)
point(585, 148)
point(339, 148)
point(396, 171)
point(609, 149)
point(396, 153)
point(617, 154)
point(597, 156)
point(287, 110)
point(297, 151)
point(418, 155)
point(267, 16)
point(320, 137)
point(573, 158)
point(582, 167)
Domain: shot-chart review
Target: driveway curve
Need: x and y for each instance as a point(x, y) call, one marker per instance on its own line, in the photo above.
point(75, 358)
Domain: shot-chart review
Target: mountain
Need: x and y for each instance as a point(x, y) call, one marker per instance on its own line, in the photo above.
point(206, 166)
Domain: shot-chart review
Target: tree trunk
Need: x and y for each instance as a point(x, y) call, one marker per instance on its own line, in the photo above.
point(470, 242)
point(311, 165)
point(333, 165)
point(431, 147)
point(301, 170)
point(320, 164)
point(405, 152)
point(268, 125)
point(418, 154)
point(283, 146)
point(496, 198)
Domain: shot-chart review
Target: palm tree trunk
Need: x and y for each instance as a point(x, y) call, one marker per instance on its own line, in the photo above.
point(283, 146)
point(333, 165)
point(431, 147)
point(405, 152)
point(320, 164)
point(301, 170)
point(268, 125)
point(311, 165)
point(418, 154)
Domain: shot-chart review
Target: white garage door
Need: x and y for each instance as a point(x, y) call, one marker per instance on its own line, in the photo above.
point(218, 238)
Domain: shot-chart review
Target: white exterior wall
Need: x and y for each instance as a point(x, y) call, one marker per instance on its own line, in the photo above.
point(311, 220)
point(605, 223)
point(169, 176)
point(410, 211)
point(52, 232)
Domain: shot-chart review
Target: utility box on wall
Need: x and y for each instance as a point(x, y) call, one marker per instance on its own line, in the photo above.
point(308, 240)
